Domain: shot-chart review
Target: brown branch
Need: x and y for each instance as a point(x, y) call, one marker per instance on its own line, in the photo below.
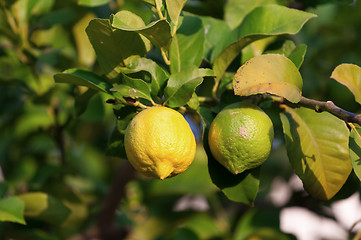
point(105, 220)
point(327, 106)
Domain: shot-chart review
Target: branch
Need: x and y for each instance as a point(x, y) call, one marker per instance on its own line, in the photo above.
point(105, 221)
point(327, 106)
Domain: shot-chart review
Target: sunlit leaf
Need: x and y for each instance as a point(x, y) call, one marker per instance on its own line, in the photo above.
point(158, 74)
point(187, 45)
point(270, 73)
point(86, 54)
point(27, 8)
point(261, 23)
point(193, 102)
point(242, 187)
point(158, 32)
point(355, 151)
point(289, 49)
point(180, 86)
point(113, 46)
point(236, 10)
point(83, 78)
point(11, 210)
point(317, 147)
point(273, 20)
point(44, 207)
point(174, 8)
point(350, 76)
point(255, 48)
point(92, 3)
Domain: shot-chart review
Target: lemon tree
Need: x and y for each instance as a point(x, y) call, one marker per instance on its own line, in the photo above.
point(209, 96)
point(159, 143)
point(241, 137)
point(239, 140)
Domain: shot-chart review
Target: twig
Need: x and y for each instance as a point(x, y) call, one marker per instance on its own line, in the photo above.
point(320, 106)
point(105, 220)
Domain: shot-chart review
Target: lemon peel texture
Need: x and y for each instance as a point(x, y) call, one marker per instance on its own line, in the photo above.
point(241, 137)
point(159, 143)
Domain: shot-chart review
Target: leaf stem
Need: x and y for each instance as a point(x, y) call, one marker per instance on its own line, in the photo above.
point(214, 89)
point(139, 104)
point(165, 58)
point(159, 11)
point(320, 106)
point(175, 28)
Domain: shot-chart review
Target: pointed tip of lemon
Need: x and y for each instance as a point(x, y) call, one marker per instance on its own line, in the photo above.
point(164, 170)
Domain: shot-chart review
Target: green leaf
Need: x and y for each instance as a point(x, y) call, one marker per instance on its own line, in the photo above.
point(350, 76)
point(83, 78)
point(261, 23)
point(92, 3)
point(158, 32)
point(270, 73)
point(260, 224)
point(181, 86)
point(236, 10)
point(242, 187)
point(193, 103)
point(132, 87)
point(256, 48)
point(28, 8)
point(44, 207)
point(274, 20)
point(11, 210)
point(174, 8)
point(317, 147)
point(187, 45)
point(158, 74)
point(113, 47)
point(297, 56)
point(116, 142)
point(295, 53)
point(213, 39)
point(355, 151)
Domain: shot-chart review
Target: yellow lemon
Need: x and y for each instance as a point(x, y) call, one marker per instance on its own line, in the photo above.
point(159, 142)
point(240, 137)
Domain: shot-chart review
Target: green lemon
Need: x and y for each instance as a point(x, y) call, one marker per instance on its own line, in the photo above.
point(241, 137)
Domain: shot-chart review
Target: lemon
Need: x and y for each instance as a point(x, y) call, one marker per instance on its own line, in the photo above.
point(240, 137)
point(159, 143)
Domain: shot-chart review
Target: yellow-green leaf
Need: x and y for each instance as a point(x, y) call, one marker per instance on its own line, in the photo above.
point(270, 73)
point(317, 147)
point(44, 207)
point(350, 76)
point(11, 210)
point(355, 150)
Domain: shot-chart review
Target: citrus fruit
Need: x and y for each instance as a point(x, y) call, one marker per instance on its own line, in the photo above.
point(159, 142)
point(240, 137)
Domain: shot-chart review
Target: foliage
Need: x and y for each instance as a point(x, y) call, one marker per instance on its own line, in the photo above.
point(62, 143)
